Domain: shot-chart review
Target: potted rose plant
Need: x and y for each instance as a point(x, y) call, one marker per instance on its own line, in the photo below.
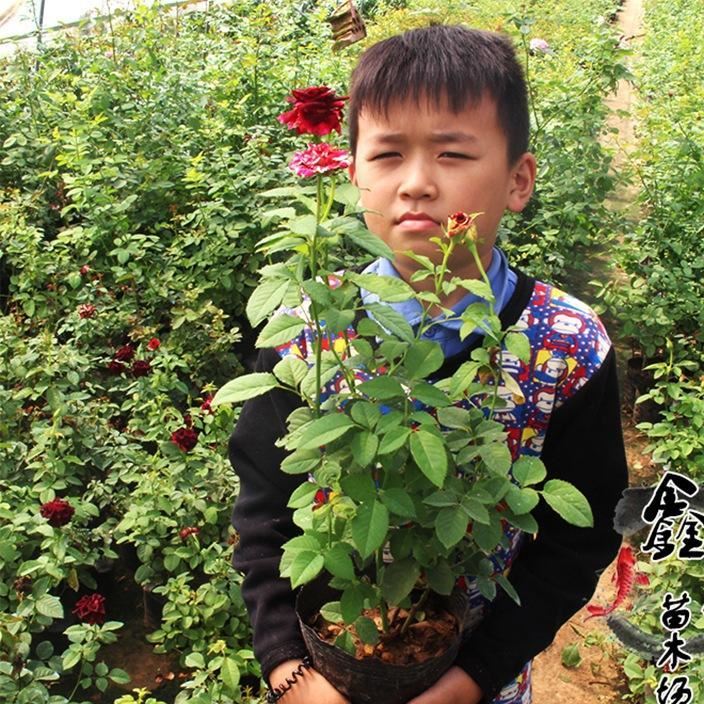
point(410, 479)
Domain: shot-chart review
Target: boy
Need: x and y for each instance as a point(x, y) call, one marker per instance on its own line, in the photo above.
point(439, 123)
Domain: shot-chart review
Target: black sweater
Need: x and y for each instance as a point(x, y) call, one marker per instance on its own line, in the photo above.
point(554, 574)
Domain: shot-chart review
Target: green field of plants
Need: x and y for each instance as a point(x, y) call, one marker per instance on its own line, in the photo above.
point(135, 155)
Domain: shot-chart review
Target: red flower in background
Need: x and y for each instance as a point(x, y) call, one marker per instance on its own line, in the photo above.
point(184, 533)
point(124, 353)
point(57, 512)
point(86, 310)
point(187, 420)
point(185, 439)
point(319, 159)
point(85, 269)
point(141, 367)
point(116, 367)
point(205, 406)
point(90, 608)
point(316, 110)
point(153, 344)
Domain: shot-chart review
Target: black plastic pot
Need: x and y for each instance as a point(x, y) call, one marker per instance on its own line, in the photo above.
point(371, 681)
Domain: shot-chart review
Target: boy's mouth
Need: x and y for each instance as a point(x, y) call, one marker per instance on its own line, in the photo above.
point(415, 222)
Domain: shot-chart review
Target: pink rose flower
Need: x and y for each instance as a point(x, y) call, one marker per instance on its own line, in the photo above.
point(319, 159)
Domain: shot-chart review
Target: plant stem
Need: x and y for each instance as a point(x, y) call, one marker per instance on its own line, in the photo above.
point(383, 606)
point(414, 610)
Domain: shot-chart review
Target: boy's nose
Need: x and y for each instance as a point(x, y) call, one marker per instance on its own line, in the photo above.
point(418, 182)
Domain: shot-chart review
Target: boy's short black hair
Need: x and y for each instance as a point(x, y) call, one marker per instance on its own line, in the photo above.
point(438, 62)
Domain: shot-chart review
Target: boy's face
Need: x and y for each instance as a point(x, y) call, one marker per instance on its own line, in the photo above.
point(421, 165)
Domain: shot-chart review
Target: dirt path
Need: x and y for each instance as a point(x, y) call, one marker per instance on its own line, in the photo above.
point(599, 679)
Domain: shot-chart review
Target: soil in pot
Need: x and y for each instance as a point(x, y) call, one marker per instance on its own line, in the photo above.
point(376, 680)
point(422, 640)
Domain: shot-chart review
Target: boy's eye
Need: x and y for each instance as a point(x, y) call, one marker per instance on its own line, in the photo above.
point(455, 155)
point(384, 155)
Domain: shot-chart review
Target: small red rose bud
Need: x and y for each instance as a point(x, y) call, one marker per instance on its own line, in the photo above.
point(57, 512)
point(124, 353)
point(141, 367)
point(153, 344)
point(186, 532)
point(205, 406)
point(116, 367)
point(84, 269)
point(185, 439)
point(90, 608)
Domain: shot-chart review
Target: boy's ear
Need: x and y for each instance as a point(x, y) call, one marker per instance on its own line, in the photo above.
point(522, 182)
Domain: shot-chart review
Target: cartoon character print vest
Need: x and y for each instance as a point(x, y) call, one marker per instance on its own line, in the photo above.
point(568, 345)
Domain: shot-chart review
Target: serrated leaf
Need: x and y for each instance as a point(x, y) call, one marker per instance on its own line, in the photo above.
point(301, 462)
point(49, 605)
point(305, 567)
point(496, 457)
point(528, 470)
point(440, 578)
point(280, 330)
point(475, 510)
point(265, 299)
point(351, 604)
point(392, 321)
point(359, 487)
point(244, 387)
point(399, 502)
point(518, 343)
point(119, 676)
point(291, 370)
point(383, 388)
point(450, 525)
point(331, 612)
point(399, 579)
point(423, 358)
point(345, 642)
point(487, 537)
point(366, 630)
point(453, 417)
point(338, 562)
point(521, 500)
point(369, 527)
point(508, 588)
point(568, 502)
point(364, 446)
point(430, 395)
point(428, 452)
point(478, 288)
point(369, 242)
point(302, 495)
point(325, 430)
point(195, 660)
point(393, 440)
point(387, 288)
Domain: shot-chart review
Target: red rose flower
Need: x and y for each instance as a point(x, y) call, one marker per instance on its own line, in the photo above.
point(57, 512)
point(153, 344)
point(319, 159)
point(316, 110)
point(184, 533)
point(124, 353)
point(141, 367)
point(205, 406)
point(187, 420)
point(322, 496)
point(86, 310)
point(116, 367)
point(90, 608)
point(459, 224)
point(85, 269)
point(185, 438)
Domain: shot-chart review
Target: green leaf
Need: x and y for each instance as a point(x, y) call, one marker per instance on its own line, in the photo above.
point(364, 446)
point(45, 650)
point(291, 370)
point(518, 343)
point(305, 567)
point(441, 579)
point(302, 495)
point(301, 462)
point(567, 501)
point(399, 502)
point(525, 522)
point(71, 657)
point(382, 388)
point(387, 288)
point(478, 288)
point(265, 299)
point(428, 451)
point(324, 430)
point(508, 588)
point(365, 413)
point(48, 605)
point(332, 612)
point(303, 225)
point(195, 660)
point(366, 630)
point(359, 487)
point(475, 510)
point(369, 527)
point(245, 387)
point(338, 562)
point(345, 642)
point(496, 457)
point(351, 603)
point(570, 656)
point(430, 395)
point(521, 500)
point(101, 684)
point(453, 417)
point(393, 440)
point(399, 579)
point(487, 537)
point(423, 358)
point(119, 676)
point(451, 525)
point(230, 673)
point(392, 321)
point(528, 470)
point(369, 242)
point(280, 330)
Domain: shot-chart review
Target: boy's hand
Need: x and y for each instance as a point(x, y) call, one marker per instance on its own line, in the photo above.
point(312, 687)
point(454, 687)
